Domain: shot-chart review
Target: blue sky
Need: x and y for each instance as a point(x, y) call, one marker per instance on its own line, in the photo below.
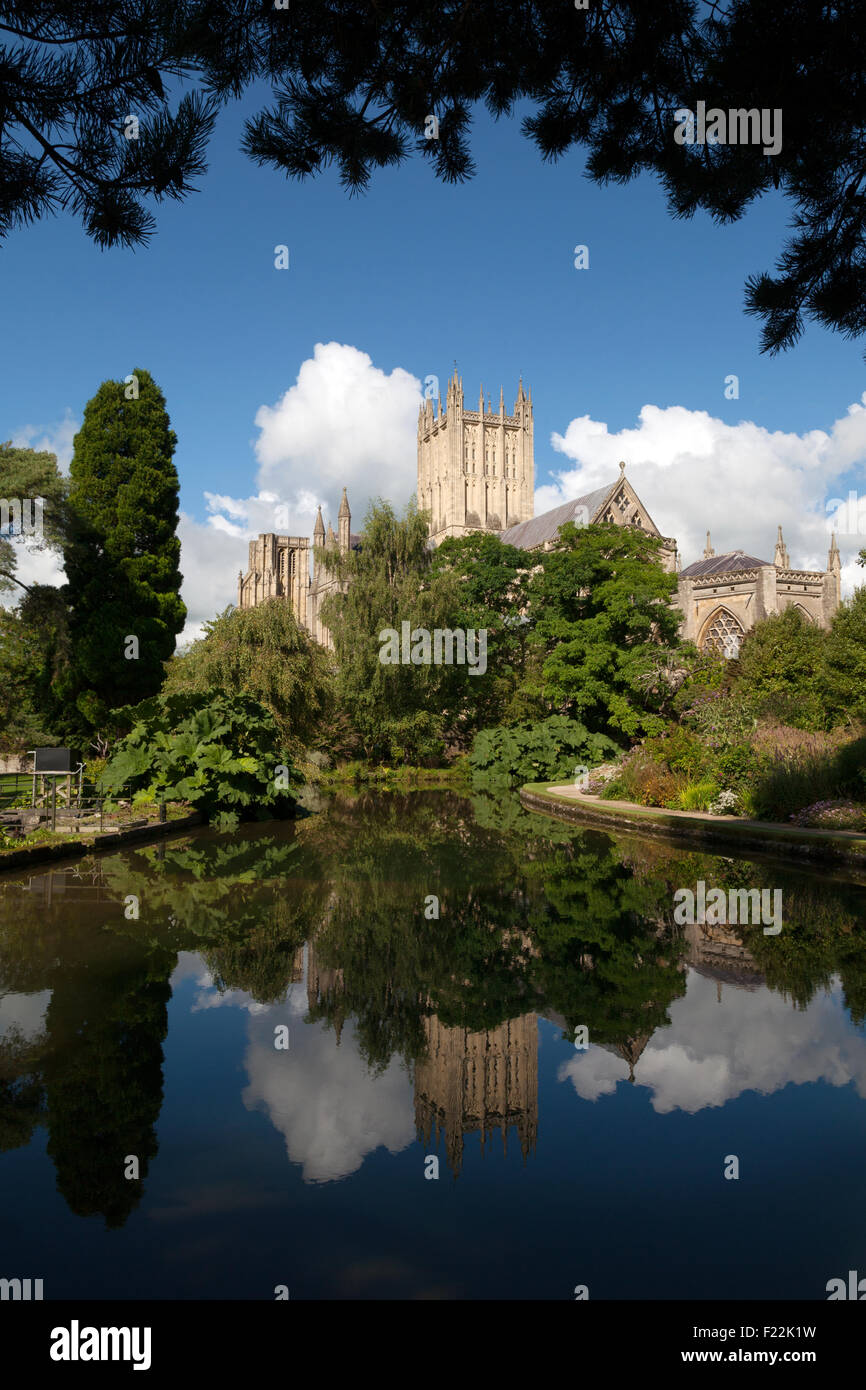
point(415, 274)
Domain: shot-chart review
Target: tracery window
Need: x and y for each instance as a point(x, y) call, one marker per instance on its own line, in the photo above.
point(723, 635)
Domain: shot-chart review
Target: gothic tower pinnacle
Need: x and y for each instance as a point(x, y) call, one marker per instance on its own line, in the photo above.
point(344, 524)
point(476, 468)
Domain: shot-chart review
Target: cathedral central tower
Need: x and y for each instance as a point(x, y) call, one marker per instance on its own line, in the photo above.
point(476, 468)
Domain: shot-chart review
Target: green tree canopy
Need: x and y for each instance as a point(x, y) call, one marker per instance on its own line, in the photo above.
point(34, 661)
point(122, 565)
point(261, 652)
point(28, 478)
point(22, 725)
point(388, 583)
point(356, 84)
point(845, 659)
point(781, 670)
point(484, 584)
point(605, 608)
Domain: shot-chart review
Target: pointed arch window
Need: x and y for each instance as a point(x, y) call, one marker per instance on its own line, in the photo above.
point(723, 634)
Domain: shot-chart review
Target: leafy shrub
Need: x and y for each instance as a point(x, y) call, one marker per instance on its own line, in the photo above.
point(413, 738)
point(263, 653)
point(220, 753)
point(541, 752)
point(832, 815)
point(722, 718)
point(697, 796)
point(737, 766)
point(680, 749)
point(850, 764)
point(644, 780)
point(800, 777)
point(780, 670)
point(727, 803)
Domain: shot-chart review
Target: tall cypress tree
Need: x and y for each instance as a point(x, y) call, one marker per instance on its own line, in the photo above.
point(122, 563)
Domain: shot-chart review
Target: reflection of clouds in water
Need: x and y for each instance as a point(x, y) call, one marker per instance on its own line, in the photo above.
point(712, 1053)
point(190, 966)
point(211, 998)
point(323, 1099)
point(24, 1014)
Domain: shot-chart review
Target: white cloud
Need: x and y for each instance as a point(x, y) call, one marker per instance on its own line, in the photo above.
point(42, 566)
point(344, 423)
point(330, 1108)
point(56, 438)
point(710, 1055)
point(210, 558)
point(694, 472)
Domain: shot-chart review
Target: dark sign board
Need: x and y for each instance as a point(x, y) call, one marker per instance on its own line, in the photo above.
point(53, 760)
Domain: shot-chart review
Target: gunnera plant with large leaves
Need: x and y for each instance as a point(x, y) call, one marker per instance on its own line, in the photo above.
point(541, 752)
point(223, 754)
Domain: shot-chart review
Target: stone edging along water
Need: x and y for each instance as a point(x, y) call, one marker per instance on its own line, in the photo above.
point(78, 846)
point(774, 836)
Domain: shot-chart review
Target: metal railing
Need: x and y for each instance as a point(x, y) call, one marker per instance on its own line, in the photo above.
point(81, 814)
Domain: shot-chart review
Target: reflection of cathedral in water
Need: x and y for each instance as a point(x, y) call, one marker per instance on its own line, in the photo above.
point(718, 953)
point(478, 1082)
point(481, 1082)
point(468, 1082)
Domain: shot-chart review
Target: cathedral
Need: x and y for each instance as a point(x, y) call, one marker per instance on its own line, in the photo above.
point(476, 472)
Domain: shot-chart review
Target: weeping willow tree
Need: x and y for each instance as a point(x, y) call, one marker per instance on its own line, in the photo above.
point(395, 708)
point(262, 652)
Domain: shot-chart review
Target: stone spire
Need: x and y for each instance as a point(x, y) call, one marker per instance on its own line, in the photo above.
point(781, 559)
point(344, 524)
point(319, 528)
point(708, 549)
point(481, 400)
point(501, 401)
point(330, 539)
point(834, 565)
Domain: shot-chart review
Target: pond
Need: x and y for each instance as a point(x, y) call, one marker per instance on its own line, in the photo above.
point(427, 1045)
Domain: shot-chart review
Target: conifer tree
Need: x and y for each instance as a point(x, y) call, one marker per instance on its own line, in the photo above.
point(122, 563)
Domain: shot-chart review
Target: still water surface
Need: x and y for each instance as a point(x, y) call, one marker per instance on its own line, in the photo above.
point(411, 1037)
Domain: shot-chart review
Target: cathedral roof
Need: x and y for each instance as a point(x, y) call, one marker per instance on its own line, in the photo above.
point(527, 535)
point(724, 564)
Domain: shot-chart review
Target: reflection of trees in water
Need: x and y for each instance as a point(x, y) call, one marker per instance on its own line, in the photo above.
point(103, 1080)
point(534, 913)
point(535, 917)
point(22, 1099)
point(608, 955)
point(94, 1075)
point(824, 919)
